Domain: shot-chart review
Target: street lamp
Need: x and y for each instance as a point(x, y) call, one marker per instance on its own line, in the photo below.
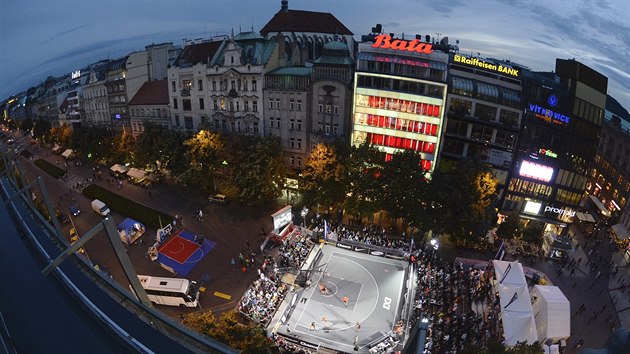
point(303, 213)
point(435, 245)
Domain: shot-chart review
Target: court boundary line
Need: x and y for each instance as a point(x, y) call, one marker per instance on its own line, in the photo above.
point(173, 238)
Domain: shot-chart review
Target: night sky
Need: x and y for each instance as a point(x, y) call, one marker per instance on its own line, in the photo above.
point(40, 38)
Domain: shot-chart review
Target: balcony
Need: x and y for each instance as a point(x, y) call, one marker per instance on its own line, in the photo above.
point(185, 92)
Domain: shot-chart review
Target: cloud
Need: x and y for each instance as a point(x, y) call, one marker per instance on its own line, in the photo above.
point(61, 34)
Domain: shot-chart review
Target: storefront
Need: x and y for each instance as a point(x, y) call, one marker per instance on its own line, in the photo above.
point(556, 245)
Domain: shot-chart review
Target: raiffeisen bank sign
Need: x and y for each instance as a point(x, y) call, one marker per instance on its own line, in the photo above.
point(485, 65)
point(384, 41)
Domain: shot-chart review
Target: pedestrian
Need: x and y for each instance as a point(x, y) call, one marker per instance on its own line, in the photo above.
point(357, 326)
point(312, 328)
point(599, 272)
point(345, 300)
point(233, 263)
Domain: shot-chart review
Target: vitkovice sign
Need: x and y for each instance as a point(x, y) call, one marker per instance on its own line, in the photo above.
point(384, 41)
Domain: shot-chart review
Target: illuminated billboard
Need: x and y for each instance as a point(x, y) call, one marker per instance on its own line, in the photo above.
point(536, 171)
point(532, 207)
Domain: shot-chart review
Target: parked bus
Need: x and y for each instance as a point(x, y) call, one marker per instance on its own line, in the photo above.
point(170, 291)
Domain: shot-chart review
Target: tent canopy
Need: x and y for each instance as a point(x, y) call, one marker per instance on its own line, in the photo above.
point(514, 270)
point(553, 312)
point(518, 327)
point(136, 173)
point(515, 299)
point(67, 153)
point(599, 205)
point(621, 231)
point(585, 217)
point(118, 168)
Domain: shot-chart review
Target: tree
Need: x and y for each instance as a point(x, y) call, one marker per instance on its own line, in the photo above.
point(364, 166)
point(41, 128)
point(324, 177)
point(510, 228)
point(157, 146)
point(203, 156)
point(533, 233)
point(404, 184)
point(249, 337)
point(462, 200)
point(260, 172)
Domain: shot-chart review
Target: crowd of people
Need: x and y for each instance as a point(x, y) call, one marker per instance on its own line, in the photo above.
point(459, 303)
point(294, 250)
point(372, 235)
point(261, 299)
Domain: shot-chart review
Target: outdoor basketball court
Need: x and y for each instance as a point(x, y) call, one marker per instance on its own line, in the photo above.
point(181, 252)
point(373, 287)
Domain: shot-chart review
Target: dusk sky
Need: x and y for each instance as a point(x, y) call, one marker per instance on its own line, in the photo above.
point(40, 38)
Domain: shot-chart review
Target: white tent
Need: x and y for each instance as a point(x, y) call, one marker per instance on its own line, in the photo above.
point(514, 270)
point(585, 217)
point(515, 299)
point(118, 168)
point(518, 327)
point(136, 173)
point(553, 312)
point(67, 154)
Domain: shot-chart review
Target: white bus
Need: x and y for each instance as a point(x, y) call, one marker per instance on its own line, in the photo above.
point(170, 291)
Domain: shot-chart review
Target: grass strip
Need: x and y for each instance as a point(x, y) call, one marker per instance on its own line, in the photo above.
point(49, 168)
point(148, 216)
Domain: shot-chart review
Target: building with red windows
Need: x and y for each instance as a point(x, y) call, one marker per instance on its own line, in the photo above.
point(399, 96)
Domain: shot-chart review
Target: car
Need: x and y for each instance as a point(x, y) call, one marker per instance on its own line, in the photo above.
point(218, 198)
point(61, 217)
point(74, 210)
point(100, 268)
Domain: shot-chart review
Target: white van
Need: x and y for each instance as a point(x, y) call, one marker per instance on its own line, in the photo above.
point(100, 207)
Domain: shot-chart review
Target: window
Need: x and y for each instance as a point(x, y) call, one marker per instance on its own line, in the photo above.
point(188, 122)
point(246, 106)
point(508, 118)
point(328, 108)
point(327, 129)
point(299, 105)
point(487, 92)
point(336, 110)
point(335, 128)
point(186, 105)
point(271, 122)
point(460, 107)
point(238, 106)
point(321, 108)
point(292, 124)
point(254, 106)
point(214, 85)
point(271, 103)
point(173, 86)
point(462, 86)
point(200, 85)
point(485, 112)
point(233, 83)
point(186, 84)
point(292, 143)
point(201, 105)
point(254, 85)
point(177, 121)
point(299, 125)
point(299, 143)
point(291, 105)
point(175, 103)
point(231, 106)
point(277, 103)
point(216, 105)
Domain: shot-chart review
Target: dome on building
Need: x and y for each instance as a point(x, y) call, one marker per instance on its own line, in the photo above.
point(336, 45)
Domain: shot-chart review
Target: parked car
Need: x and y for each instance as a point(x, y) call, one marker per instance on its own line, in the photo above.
point(218, 198)
point(74, 210)
point(61, 217)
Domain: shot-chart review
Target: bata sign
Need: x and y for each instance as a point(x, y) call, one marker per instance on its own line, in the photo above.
point(569, 213)
point(485, 65)
point(385, 41)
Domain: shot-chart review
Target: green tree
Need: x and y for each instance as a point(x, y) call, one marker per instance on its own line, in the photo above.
point(260, 170)
point(203, 156)
point(26, 124)
point(533, 232)
point(404, 184)
point(364, 168)
point(122, 147)
point(324, 177)
point(510, 228)
point(157, 146)
point(92, 141)
point(462, 200)
point(41, 128)
point(248, 338)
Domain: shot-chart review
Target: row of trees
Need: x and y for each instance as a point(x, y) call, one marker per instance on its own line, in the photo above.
point(341, 178)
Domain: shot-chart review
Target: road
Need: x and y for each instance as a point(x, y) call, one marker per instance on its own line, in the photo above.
point(231, 226)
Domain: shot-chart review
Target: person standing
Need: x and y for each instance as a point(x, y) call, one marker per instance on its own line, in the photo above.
point(312, 328)
point(345, 300)
point(357, 326)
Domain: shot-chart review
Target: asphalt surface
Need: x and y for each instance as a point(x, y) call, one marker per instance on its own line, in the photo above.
point(232, 226)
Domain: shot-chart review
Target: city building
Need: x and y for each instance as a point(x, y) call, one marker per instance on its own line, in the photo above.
point(559, 135)
point(95, 96)
point(148, 65)
point(399, 95)
point(117, 93)
point(306, 32)
point(484, 113)
point(609, 182)
point(72, 108)
point(150, 105)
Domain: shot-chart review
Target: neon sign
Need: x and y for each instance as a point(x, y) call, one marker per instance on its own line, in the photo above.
point(569, 212)
point(76, 74)
point(485, 65)
point(548, 153)
point(548, 115)
point(385, 41)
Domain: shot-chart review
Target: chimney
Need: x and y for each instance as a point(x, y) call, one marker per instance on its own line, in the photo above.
point(285, 6)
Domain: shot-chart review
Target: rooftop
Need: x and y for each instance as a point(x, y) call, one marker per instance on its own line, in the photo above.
point(305, 21)
point(151, 93)
point(198, 53)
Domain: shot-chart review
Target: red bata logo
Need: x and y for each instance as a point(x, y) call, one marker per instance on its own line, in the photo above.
point(385, 41)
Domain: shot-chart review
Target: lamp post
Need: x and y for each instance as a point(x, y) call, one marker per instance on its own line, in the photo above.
point(435, 245)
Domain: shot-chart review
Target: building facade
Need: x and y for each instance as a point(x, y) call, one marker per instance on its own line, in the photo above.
point(560, 131)
point(95, 97)
point(117, 93)
point(484, 113)
point(150, 105)
point(399, 96)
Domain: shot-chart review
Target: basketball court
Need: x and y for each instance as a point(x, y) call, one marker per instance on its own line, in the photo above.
point(182, 252)
point(373, 287)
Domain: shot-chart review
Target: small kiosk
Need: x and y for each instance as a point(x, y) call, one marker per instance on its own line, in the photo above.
point(130, 230)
